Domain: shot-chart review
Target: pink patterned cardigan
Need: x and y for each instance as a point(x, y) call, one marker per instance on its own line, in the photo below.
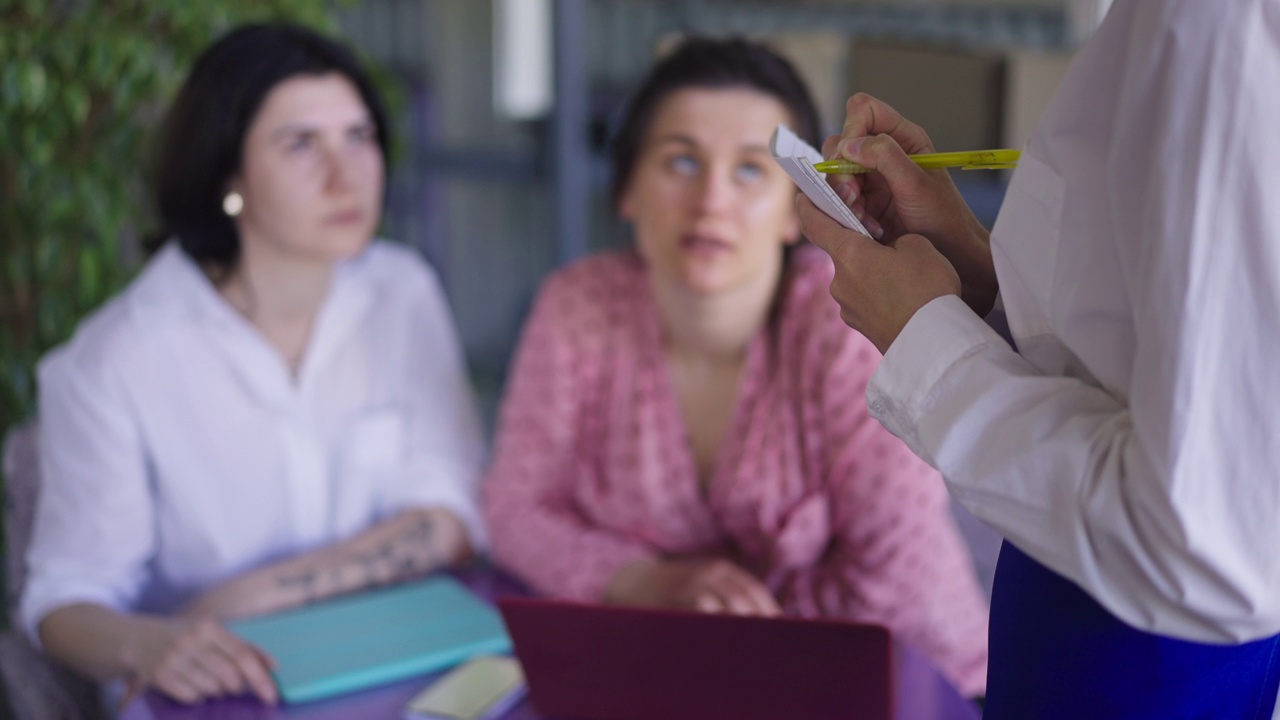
point(592, 467)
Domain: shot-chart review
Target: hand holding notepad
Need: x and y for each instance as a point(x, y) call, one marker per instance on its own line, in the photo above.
point(797, 158)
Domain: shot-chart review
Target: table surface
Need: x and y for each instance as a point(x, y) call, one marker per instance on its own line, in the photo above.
point(922, 693)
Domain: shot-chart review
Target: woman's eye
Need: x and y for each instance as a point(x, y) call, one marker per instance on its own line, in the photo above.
point(749, 172)
point(299, 143)
point(363, 135)
point(684, 164)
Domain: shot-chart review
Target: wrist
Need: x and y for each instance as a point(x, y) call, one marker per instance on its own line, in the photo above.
point(979, 284)
point(628, 583)
point(980, 297)
point(137, 633)
point(454, 543)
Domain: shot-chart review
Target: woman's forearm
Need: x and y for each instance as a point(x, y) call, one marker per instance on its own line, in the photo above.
point(408, 545)
point(405, 546)
point(97, 641)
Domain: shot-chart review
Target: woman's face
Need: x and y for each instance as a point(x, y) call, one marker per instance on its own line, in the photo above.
point(711, 209)
point(312, 171)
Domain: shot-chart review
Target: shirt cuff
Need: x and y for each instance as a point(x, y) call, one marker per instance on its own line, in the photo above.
point(36, 605)
point(939, 335)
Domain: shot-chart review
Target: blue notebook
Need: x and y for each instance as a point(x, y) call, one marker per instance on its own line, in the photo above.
point(377, 637)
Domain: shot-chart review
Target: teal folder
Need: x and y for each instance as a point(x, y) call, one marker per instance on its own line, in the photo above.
point(372, 638)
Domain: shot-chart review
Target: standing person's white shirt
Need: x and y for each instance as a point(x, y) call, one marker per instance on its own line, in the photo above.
point(1133, 446)
point(178, 450)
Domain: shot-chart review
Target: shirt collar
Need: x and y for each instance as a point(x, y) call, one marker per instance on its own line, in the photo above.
point(172, 286)
point(173, 289)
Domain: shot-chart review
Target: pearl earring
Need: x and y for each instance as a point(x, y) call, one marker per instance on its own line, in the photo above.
point(232, 204)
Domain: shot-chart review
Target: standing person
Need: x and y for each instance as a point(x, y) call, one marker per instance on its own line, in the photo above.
point(1128, 451)
point(676, 431)
point(275, 411)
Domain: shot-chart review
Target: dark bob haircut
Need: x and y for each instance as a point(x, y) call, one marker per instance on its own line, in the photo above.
point(204, 133)
point(701, 62)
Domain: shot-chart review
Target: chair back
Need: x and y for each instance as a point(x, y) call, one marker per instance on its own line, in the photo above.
point(34, 685)
point(22, 486)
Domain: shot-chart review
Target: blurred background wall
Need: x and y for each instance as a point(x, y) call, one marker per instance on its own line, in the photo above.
point(505, 174)
point(504, 109)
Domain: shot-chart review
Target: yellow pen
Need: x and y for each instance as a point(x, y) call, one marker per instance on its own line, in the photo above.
point(970, 160)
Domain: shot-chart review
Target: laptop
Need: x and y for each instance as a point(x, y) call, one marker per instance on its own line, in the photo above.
point(359, 641)
point(587, 662)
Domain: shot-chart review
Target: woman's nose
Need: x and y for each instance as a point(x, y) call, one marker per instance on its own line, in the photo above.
point(338, 168)
point(715, 191)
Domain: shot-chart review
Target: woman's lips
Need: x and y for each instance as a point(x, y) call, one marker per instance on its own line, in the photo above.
point(345, 217)
point(707, 244)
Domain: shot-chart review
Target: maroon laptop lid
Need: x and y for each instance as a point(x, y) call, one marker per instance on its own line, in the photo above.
point(586, 662)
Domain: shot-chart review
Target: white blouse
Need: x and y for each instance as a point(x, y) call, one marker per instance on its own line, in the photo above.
point(177, 451)
point(1133, 445)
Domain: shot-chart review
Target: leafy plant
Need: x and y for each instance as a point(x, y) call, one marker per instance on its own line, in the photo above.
point(83, 86)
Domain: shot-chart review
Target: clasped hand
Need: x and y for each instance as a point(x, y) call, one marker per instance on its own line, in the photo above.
point(701, 584)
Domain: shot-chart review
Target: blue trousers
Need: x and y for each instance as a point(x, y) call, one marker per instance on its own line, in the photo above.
point(1057, 654)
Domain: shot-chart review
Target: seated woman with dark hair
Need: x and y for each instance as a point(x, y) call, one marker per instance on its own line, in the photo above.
point(684, 425)
point(274, 412)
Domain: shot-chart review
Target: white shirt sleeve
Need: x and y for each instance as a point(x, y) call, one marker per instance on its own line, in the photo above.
point(446, 442)
point(1156, 486)
point(93, 532)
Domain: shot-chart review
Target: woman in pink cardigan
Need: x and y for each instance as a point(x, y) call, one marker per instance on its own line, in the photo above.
point(684, 425)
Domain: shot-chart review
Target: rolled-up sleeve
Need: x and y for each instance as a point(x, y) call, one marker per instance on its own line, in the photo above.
point(446, 450)
point(94, 531)
point(539, 531)
point(1132, 445)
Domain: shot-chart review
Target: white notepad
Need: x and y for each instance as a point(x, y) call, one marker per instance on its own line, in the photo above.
point(797, 157)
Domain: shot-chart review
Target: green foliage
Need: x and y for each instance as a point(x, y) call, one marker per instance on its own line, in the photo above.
point(83, 86)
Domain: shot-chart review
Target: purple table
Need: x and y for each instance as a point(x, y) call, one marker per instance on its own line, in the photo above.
point(922, 693)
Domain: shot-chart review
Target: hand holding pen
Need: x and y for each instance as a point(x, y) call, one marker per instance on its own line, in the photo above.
point(900, 197)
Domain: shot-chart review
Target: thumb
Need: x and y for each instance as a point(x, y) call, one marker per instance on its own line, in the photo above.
point(882, 154)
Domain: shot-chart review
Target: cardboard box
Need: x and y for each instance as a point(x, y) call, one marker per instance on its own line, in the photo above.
point(956, 95)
